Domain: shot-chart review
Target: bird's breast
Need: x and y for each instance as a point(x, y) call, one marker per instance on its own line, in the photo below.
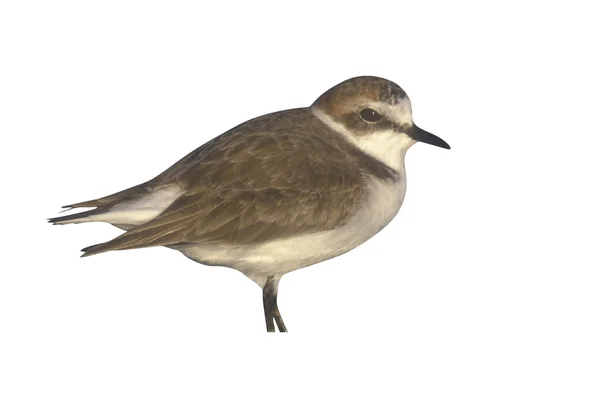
point(381, 205)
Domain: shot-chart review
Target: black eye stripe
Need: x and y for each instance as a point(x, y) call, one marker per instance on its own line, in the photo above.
point(370, 115)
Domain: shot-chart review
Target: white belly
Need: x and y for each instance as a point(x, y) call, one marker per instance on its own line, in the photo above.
point(284, 255)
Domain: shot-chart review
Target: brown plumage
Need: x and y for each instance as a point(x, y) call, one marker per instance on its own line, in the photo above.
point(275, 176)
point(276, 193)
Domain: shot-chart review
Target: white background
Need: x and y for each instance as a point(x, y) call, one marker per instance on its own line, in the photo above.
point(486, 285)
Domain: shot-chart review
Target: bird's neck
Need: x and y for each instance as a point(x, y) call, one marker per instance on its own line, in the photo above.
point(389, 147)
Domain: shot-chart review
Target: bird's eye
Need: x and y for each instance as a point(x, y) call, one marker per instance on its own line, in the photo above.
point(370, 115)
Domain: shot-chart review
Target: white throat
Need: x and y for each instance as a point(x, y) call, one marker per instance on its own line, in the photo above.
point(389, 147)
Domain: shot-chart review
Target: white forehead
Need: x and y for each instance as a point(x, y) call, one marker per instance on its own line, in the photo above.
point(399, 112)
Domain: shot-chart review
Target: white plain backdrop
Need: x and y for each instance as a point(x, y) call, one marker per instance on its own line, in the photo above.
point(485, 286)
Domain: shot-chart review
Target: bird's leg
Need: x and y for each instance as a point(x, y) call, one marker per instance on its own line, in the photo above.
point(270, 305)
point(270, 302)
point(279, 320)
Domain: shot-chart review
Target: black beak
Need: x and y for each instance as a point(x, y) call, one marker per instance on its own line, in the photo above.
point(423, 136)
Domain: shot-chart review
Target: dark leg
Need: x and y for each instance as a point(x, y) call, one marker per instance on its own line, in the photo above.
point(270, 302)
point(279, 320)
point(270, 305)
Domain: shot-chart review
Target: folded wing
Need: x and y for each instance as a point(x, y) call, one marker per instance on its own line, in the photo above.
point(254, 184)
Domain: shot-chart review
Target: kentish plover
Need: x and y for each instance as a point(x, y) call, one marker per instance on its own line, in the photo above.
point(279, 192)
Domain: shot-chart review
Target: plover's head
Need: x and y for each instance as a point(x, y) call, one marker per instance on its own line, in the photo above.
point(375, 114)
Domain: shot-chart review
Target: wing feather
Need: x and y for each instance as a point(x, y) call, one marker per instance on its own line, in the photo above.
point(254, 184)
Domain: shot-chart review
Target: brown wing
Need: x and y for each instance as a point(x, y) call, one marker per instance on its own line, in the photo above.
point(268, 178)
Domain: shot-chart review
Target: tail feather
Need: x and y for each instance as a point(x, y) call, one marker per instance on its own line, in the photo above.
point(75, 218)
point(102, 205)
point(114, 198)
point(95, 249)
point(119, 243)
point(89, 203)
point(135, 239)
point(122, 210)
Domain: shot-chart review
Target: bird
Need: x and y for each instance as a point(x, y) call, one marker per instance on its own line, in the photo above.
point(276, 193)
